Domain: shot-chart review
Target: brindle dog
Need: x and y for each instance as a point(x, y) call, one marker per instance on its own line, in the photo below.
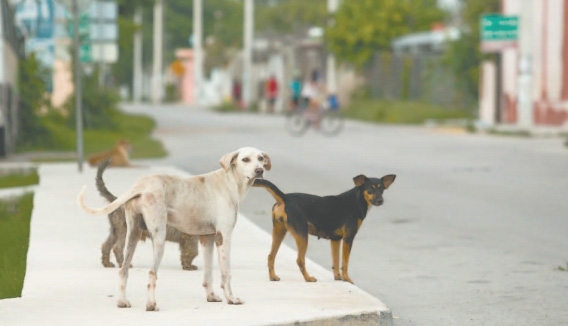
point(116, 239)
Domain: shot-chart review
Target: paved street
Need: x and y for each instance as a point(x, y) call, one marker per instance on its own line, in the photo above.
point(472, 230)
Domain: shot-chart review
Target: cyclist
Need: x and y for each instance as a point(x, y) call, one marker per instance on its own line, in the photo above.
point(313, 93)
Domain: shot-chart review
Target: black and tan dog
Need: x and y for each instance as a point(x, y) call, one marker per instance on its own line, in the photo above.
point(331, 217)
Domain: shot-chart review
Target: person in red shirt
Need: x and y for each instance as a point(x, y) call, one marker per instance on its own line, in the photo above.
point(271, 92)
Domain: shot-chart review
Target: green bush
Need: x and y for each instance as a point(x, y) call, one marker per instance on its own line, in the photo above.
point(100, 105)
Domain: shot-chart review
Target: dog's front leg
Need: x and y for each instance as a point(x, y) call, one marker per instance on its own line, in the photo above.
point(207, 243)
point(223, 242)
point(335, 245)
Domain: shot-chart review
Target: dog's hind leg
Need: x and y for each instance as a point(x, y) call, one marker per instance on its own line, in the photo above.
point(133, 235)
point(158, 241)
point(223, 242)
point(302, 244)
point(207, 243)
point(157, 229)
point(119, 228)
point(107, 246)
point(278, 234)
point(188, 248)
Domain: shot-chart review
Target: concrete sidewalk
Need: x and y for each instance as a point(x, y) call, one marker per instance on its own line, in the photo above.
point(66, 284)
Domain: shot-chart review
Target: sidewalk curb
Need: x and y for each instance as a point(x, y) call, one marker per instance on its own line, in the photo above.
point(66, 285)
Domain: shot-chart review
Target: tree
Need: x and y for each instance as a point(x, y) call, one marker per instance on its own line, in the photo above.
point(463, 56)
point(32, 88)
point(362, 27)
point(289, 16)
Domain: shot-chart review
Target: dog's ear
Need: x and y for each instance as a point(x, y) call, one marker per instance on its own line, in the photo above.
point(267, 161)
point(388, 180)
point(228, 159)
point(359, 180)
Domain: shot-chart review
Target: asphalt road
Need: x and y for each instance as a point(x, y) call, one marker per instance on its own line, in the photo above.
point(472, 230)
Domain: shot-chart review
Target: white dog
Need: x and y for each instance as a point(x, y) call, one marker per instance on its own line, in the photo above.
point(204, 205)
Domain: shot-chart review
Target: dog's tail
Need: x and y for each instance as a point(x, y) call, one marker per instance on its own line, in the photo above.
point(131, 194)
point(101, 187)
point(271, 188)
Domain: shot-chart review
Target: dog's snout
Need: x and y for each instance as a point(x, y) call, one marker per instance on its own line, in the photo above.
point(259, 171)
point(378, 201)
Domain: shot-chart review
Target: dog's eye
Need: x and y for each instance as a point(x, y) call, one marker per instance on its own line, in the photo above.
point(246, 159)
point(260, 158)
point(371, 190)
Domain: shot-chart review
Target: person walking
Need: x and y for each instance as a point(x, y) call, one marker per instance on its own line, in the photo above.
point(271, 92)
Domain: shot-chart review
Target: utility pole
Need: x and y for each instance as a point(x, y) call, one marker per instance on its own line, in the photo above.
point(137, 71)
point(198, 48)
point(331, 65)
point(525, 80)
point(100, 21)
point(157, 64)
point(78, 90)
point(247, 52)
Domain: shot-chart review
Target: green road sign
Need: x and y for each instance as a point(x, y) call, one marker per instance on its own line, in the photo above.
point(498, 32)
point(85, 52)
point(499, 28)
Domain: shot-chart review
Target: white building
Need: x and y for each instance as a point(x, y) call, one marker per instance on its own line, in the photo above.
point(8, 80)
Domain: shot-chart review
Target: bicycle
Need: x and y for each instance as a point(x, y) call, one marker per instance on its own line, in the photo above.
point(329, 121)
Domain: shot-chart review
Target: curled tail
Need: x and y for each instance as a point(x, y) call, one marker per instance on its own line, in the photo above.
point(108, 208)
point(272, 189)
point(101, 187)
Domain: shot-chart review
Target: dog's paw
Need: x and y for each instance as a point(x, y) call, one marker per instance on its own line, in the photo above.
point(108, 264)
point(311, 279)
point(235, 301)
point(189, 268)
point(152, 307)
point(348, 279)
point(212, 297)
point(274, 278)
point(338, 277)
point(123, 304)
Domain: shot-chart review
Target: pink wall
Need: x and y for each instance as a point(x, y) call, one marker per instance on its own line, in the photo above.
point(549, 64)
point(186, 82)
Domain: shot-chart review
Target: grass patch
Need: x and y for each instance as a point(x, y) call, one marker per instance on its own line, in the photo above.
point(225, 107)
point(401, 112)
point(19, 179)
point(136, 128)
point(15, 216)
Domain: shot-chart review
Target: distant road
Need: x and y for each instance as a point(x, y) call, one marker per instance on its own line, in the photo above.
point(471, 232)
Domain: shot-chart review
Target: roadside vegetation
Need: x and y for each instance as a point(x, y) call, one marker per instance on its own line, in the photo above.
point(365, 108)
point(15, 216)
point(18, 179)
point(48, 129)
point(401, 112)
